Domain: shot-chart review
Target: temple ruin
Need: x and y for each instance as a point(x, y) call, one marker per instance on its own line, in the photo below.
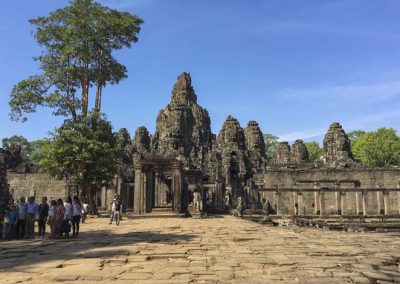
point(183, 159)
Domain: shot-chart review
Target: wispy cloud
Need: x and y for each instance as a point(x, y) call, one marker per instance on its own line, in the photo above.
point(367, 93)
point(360, 122)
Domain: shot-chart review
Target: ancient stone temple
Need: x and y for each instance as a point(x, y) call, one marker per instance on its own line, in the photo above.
point(299, 152)
point(185, 168)
point(337, 146)
point(183, 127)
point(283, 153)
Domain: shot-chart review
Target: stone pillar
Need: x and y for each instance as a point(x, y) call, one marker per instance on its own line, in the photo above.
point(278, 203)
point(357, 204)
point(156, 190)
point(138, 197)
point(338, 197)
point(386, 202)
point(378, 200)
point(321, 203)
point(300, 203)
point(294, 203)
point(398, 196)
point(342, 199)
point(364, 202)
point(177, 188)
point(316, 199)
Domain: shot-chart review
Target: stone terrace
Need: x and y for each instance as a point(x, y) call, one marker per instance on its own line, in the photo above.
point(221, 249)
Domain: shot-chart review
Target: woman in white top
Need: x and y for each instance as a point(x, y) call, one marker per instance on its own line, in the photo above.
point(51, 221)
point(76, 216)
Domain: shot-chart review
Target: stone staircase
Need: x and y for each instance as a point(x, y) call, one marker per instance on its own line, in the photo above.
point(158, 212)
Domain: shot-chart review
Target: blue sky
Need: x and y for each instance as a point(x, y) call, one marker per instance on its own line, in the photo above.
point(294, 66)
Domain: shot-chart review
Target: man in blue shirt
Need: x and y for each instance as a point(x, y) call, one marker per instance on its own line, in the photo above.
point(12, 215)
point(32, 212)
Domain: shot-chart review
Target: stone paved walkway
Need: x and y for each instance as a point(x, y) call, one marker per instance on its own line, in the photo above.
point(212, 250)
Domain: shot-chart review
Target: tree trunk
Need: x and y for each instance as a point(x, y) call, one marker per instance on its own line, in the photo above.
point(85, 93)
point(98, 98)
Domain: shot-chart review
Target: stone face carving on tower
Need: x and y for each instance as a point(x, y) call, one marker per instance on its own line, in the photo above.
point(141, 142)
point(124, 144)
point(337, 151)
point(255, 145)
point(282, 154)
point(230, 146)
point(299, 152)
point(183, 127)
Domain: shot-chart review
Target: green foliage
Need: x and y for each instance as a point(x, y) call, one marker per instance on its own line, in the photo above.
point(270, 143)
point(380, 148)
point(84, 151)
point(315, 152)
point(355, 134)
point(16, 141)
point(78, 42)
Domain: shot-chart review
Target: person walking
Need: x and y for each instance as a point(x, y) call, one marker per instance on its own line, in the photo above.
point(117, 212)
point(32, 212)
point(12, 216)
point(67, 217)
point(58, 218)
point(6, 223)
point(43, 215)
point(77, 212)
point(51, 221)
point(21, 217)
point(112, 210)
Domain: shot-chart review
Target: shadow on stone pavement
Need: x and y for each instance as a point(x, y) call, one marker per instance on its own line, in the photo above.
point(103, 244)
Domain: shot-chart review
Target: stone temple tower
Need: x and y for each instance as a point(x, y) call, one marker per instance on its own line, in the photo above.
point(337, 151)
point(183, 127)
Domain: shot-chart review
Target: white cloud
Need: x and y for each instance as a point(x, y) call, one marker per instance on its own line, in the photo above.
point(361, 122)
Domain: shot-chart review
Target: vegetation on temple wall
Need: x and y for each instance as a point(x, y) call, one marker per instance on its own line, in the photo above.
point(315, 152)
point(30, 150)
point(380, 148)
point(78, 43)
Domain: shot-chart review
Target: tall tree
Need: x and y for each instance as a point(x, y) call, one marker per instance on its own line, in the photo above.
point(83, 151)
point(270, 141)
point(355, 134)
point(380, 148)
point(17, 142)
point(315, 152)
point(78, 43)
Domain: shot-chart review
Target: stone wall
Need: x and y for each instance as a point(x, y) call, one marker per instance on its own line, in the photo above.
point(4, 194)
point(302, 186)
point(38, 185)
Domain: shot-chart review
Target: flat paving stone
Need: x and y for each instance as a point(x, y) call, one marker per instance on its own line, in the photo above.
point(208, 250)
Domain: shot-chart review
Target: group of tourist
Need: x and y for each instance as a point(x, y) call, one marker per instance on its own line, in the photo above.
point(19, 219)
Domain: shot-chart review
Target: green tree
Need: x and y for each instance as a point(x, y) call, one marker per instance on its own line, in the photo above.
point(380, 148)
point(78, 42)
point(84, 151)
point(14, 142)
point(315, 152)
point(270, 143)
point(355, 134)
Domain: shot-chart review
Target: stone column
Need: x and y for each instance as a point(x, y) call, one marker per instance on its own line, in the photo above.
point(177, 187)
point(138, 202)
point(338, 197)
point(321, 203)
point(342, 199)
point(386, 202)
point(278, 202)
point(364, 202)
point(300, 203)
point(294, 202)
point(398, 196)
point(316, 199)
point(357, 203)
point(378, 200)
